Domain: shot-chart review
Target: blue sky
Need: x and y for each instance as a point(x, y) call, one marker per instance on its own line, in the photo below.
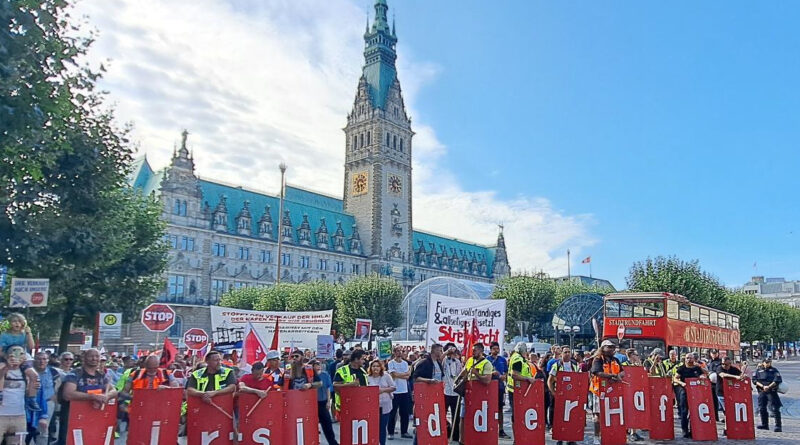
point(620, 130)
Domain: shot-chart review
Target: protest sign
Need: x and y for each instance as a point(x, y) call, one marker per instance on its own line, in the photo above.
point(325, 347)
point(568, 415)
point(29, 292)
point(384, 349)
point(529, 415)
point(155, 415)
point(739, 415)
point(297, 329)
point(447, 315)
point(430, 414)
point(360, 416)
point(636, 398)
point(480, 417)
point(89, 425)
point(362, 330)
point(261, 420)
point(612, 414)
point(662, 416)
point(209, 423)
point(300, 422)
point(698, 395)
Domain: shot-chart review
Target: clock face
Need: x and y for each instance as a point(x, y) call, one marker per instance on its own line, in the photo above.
point(360, 183)
point(395, 184)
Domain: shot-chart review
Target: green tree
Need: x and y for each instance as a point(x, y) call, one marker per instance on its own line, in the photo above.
point(313, 296)
point(68, 212)
point(372, 297)
point(670, 274)
point(528, 298)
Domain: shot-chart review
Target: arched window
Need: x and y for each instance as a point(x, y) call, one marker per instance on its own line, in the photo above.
point(388, 137)
point(361, 140)
point(176, 209)
point(401, 144)
point(355, 141)
point(369, 137)
point(183, 208)
point(177, 329)
point(394, 141)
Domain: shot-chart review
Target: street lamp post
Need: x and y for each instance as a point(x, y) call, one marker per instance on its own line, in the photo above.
point(571, 331)
point(279, 260)
point(523, 328)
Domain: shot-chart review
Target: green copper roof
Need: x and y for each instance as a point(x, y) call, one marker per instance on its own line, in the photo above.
point(380, 56)
point(144, 178)
point(461, 247)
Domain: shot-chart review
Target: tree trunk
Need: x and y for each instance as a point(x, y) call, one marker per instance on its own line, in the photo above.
point(66, 327)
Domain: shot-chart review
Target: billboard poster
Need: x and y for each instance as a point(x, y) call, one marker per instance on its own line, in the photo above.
point(447, 316)
point(297, 329)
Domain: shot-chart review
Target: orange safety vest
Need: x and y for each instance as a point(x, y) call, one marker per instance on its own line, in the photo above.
point(142, 382)
point(608, 368)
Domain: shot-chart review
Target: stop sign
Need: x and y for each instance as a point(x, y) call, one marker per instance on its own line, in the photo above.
point(158, 317)
point(621, 332)
point(195, 339)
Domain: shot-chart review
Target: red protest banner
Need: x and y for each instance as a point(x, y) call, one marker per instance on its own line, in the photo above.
point(261, 420)
point(301, 419)
point(529, 416)
point(480, 416)
point(662, 416)
point(698, 396)
point(360, 416)
point(155, 416)
point(739, 415)
point(637, 398)
point(612, 414)
point(209, 423)
point(429, 414)
point(89, 425)
point(569, 418)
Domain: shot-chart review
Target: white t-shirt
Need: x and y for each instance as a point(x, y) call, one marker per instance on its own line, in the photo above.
point(13, 394)
point(401, 367)
point(567, 368)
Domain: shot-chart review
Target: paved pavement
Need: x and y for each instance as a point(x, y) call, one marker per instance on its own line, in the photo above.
point(791, 419)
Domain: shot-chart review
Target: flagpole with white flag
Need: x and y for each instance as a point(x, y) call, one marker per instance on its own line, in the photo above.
point(253, 349)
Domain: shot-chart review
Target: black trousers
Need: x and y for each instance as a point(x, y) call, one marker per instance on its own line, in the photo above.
point(451, 404)
point(716, 401)
point(774, 400)
point(401, 403)
point(683, 408)
point(326, 422)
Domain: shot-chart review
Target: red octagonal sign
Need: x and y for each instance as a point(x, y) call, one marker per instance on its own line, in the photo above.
point(195, 339)
point(158, 317)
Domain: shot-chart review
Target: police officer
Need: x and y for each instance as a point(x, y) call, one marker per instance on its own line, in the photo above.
point(767, 380)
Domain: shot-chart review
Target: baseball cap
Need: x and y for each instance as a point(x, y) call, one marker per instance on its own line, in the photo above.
point(658, 351)
point(273, 355)
point(608, 343)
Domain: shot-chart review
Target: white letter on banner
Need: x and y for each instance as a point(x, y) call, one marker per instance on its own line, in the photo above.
point(638, 400)
point(155, 430)
point(531, 418)
point(741, 412)
point(610, 412)
point(480, 421)
point(206, 438)
point(360, 425)
point(300, 440)
point(702, 412)
point(261, 436)
point(568, 407)
point(662, 407)
point(434, 427)
point(77, 436)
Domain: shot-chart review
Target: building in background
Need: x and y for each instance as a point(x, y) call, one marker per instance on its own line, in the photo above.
point(777, 289)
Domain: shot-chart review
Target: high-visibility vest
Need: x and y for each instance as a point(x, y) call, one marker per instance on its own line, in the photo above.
point(124, 378)
point(202, 379)
point(479, 366)
point(526, 371)
point(659, 370)
point(141, 380)
point(347, 377)
point(608, 368)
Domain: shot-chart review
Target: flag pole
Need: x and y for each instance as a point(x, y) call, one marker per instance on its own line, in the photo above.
point(569, 274)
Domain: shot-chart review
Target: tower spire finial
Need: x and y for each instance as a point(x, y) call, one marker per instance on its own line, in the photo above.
point(381, 23)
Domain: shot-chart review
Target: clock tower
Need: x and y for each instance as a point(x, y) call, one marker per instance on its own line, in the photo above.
point(377, 170)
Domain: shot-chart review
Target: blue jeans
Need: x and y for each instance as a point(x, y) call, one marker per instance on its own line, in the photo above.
point(384, 425)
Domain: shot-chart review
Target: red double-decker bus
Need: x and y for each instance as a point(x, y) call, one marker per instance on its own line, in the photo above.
point(669, 321)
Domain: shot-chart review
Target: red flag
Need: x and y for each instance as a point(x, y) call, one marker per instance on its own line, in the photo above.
point(467, 341)
point(168, 353)
point(587, 260)
point(253, 349)
point(274, 345)
point(476, 333)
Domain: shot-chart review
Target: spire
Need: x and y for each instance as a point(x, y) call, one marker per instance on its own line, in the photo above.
point(380, 56)
point(381, 23)
point(184, 152)
point(394, 26)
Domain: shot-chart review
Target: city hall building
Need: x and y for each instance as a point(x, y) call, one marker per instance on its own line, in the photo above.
point(225, 236)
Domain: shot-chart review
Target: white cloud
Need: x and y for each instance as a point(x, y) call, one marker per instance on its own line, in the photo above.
point(257, 83)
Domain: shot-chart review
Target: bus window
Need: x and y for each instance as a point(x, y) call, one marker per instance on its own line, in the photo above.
point(704, 316)
point(723, 321)
point(638, 311)
point(713, 318)
point(645, 347)
point(672, 309)
point(612, 308)
point(625, 309)
point(685, 309)
point(634, 308)
point(735, 324)
point(695, 314)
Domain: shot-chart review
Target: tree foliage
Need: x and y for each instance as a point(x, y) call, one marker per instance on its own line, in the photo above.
point(373, 297)
point(670, 274)
point(68, 212)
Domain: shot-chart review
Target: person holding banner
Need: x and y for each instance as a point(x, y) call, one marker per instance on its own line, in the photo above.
point(565, 364)
point(351, 374)
point(323, 402)
point(452, 368)
point(689, 369)
point(221, 379)
point(302, 377)
point(500, 373)
point(655, 364)
point(273, 369)
point(400, 370)
point(605, 367)
point(519, 370)
point(477, 368)
point(767, 380)
point(257, 382)
point(633, 359)
point(429, 370)
point(151, 377)
point(84, 383)
point(378, 377)
point(726, 371)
